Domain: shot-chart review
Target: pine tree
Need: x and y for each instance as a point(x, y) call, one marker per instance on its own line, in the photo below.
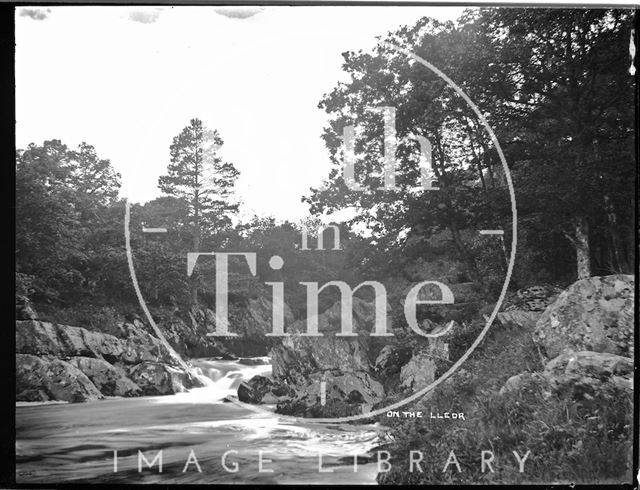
point(199, 176)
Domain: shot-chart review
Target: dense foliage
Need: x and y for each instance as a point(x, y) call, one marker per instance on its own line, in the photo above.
point(554, 86)
point(570, 441)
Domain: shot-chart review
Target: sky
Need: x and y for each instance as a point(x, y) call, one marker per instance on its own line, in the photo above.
point(128, 79)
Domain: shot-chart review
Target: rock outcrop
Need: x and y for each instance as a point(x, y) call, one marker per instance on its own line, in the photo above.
point(357, 372)
point(131, 360)
point(133, 346)
point(301, 363)
point(299, 356)
point(62, 362)
point(251, 320)
point(39, 379)
point(593, 314)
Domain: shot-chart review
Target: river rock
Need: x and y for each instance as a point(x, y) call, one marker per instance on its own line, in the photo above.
point(255, 389)
point(39, 379)
point(593, 314)
point(155, 378)
point(109, 380)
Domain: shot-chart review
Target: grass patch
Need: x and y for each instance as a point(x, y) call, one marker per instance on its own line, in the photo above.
point(569, 440)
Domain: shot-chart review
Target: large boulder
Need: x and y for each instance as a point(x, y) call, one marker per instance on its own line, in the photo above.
point(297, 356)
point(255, 389)
point(141, 346)
point(155, 378)
point(108, 379)
point(342, 363)
point(39, 379)
point(593, 314)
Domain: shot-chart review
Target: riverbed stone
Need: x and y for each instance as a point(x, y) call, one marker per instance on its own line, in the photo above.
point(155, 378)
point(39, 379)
point(255, 389)
point(108, 379)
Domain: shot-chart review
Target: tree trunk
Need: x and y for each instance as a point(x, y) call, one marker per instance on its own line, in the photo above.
point(196, 228)
point(196, 248)
point(581, 243)
point(463, 251)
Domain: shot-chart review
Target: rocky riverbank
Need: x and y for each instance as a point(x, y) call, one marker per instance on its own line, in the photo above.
point(584, 336)
point(553, 378)
point(62, 362)
point(55, 361)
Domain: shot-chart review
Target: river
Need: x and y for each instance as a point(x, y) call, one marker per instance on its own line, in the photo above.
point(62, 442)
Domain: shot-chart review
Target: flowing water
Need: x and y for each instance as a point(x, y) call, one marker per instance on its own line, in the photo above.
point(61, 442)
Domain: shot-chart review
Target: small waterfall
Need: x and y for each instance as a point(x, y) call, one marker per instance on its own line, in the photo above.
point(222, 377)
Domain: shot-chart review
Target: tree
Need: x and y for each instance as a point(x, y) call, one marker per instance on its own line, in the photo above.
point(60, 195)
point(560, 76)
point(199, 176)
point(425, 107)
